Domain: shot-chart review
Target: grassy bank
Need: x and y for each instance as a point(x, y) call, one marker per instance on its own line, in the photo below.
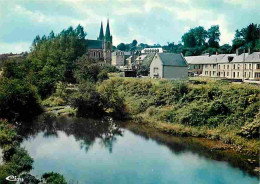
point(212, 109)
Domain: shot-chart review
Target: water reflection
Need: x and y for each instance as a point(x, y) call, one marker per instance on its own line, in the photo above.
point(85, 131)
point(100, 151)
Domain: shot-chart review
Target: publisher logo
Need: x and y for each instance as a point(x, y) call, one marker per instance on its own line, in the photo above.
point(14, 178)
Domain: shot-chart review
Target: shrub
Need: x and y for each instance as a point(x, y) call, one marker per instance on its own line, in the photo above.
point(18, 99)
point(54, 178)
point(113, 102)
point(87, 101)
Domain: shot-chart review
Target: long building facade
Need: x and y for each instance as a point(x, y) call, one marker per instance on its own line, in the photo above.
point(231, 66)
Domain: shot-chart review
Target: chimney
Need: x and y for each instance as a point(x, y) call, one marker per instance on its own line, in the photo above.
point(216, 53)
point(249, 51)
point(239, 51)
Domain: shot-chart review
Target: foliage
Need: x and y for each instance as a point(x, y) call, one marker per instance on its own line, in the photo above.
point(7, 133)
point(112, 100)
point(86, 69)
point(18, 99)
point(87, 100)
point(247, 37)
point(54, 178)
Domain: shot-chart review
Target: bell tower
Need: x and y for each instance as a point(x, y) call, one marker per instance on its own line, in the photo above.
point(107, 45)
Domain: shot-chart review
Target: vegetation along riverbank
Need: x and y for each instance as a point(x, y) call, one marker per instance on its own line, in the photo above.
point(211, 109)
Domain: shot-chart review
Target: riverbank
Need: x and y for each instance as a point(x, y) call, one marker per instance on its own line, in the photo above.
point(214, 110)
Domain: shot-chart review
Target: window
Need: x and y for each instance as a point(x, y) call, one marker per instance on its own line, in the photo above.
point(224, 74)
point(238, 66)
point(206, 66)
point(257, 66)
point(214, 66)
point(214, 73)
point(249, 66)
point(234, 74)
point(257, 75)
point(237, 74)
point(249, 74)
point(155, 70)
point(245, 66)
point(245, 74)
point(228, 67)
point(234, 66)
point(224, 66)
point(227, 74)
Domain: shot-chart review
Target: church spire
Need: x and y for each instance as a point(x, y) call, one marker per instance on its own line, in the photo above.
point(101, 33)
point(107, 36)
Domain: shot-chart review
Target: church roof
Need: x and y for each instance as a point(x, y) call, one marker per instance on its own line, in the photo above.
point(94, 44)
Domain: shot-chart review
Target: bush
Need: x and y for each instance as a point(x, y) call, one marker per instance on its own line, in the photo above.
point(54, 178)
point(18, 99)
point(113, 102)
point(87, 101)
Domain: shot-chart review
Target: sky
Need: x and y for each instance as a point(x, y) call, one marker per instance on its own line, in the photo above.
point(147, 21)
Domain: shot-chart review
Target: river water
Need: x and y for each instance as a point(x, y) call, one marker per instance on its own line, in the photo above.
point(100, 151)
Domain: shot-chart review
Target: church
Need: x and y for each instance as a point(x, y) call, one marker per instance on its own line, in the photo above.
point(101, 49)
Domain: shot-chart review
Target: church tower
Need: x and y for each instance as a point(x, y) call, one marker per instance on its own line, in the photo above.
point(107, 45)
point(101, 33)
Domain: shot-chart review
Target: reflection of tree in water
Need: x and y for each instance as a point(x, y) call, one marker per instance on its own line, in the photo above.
point(180, 145)
point(85, 131)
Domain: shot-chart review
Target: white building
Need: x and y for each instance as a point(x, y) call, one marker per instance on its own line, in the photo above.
point(169, 66)
point(152, 50)
point(231, 66)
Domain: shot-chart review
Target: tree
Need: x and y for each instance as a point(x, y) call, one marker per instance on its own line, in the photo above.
point(189, 40)
point(213, 36)
point(200, 35)
point(134, 43)
point(225, 49)
point(121, 47)
point(18, 99)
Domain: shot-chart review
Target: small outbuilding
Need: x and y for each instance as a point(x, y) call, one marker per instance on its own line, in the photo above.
point(169, 66)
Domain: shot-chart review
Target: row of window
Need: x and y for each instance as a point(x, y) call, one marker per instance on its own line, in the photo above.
point(235, 66)
point(151, 50)
point(96, 54)
point(235, 74)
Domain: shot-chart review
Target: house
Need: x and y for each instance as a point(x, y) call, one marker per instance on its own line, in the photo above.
point(169, 66)
point(119, 58)
point(240, 66)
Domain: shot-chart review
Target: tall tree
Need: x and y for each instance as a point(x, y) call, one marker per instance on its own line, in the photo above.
point(189, 40)
point(213, 36)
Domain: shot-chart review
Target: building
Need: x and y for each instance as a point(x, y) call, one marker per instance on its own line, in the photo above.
point(241, 65)
point(169, 66)
point(152, 50)
point(101, 49)
point(119, 58)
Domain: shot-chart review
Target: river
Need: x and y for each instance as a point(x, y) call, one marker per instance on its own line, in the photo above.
point(101, 151)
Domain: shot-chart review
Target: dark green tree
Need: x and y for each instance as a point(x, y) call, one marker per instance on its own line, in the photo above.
point(213, 36)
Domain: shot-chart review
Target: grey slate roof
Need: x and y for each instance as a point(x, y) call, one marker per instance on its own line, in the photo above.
point(94, 44)
point(224, 58)
point(169, 59)
point(254, 57)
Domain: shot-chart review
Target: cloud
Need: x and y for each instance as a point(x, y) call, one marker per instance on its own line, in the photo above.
point(148, 21)
point(15, 47)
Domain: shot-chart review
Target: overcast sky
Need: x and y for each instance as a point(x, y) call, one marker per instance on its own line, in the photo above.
point(147, 21)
